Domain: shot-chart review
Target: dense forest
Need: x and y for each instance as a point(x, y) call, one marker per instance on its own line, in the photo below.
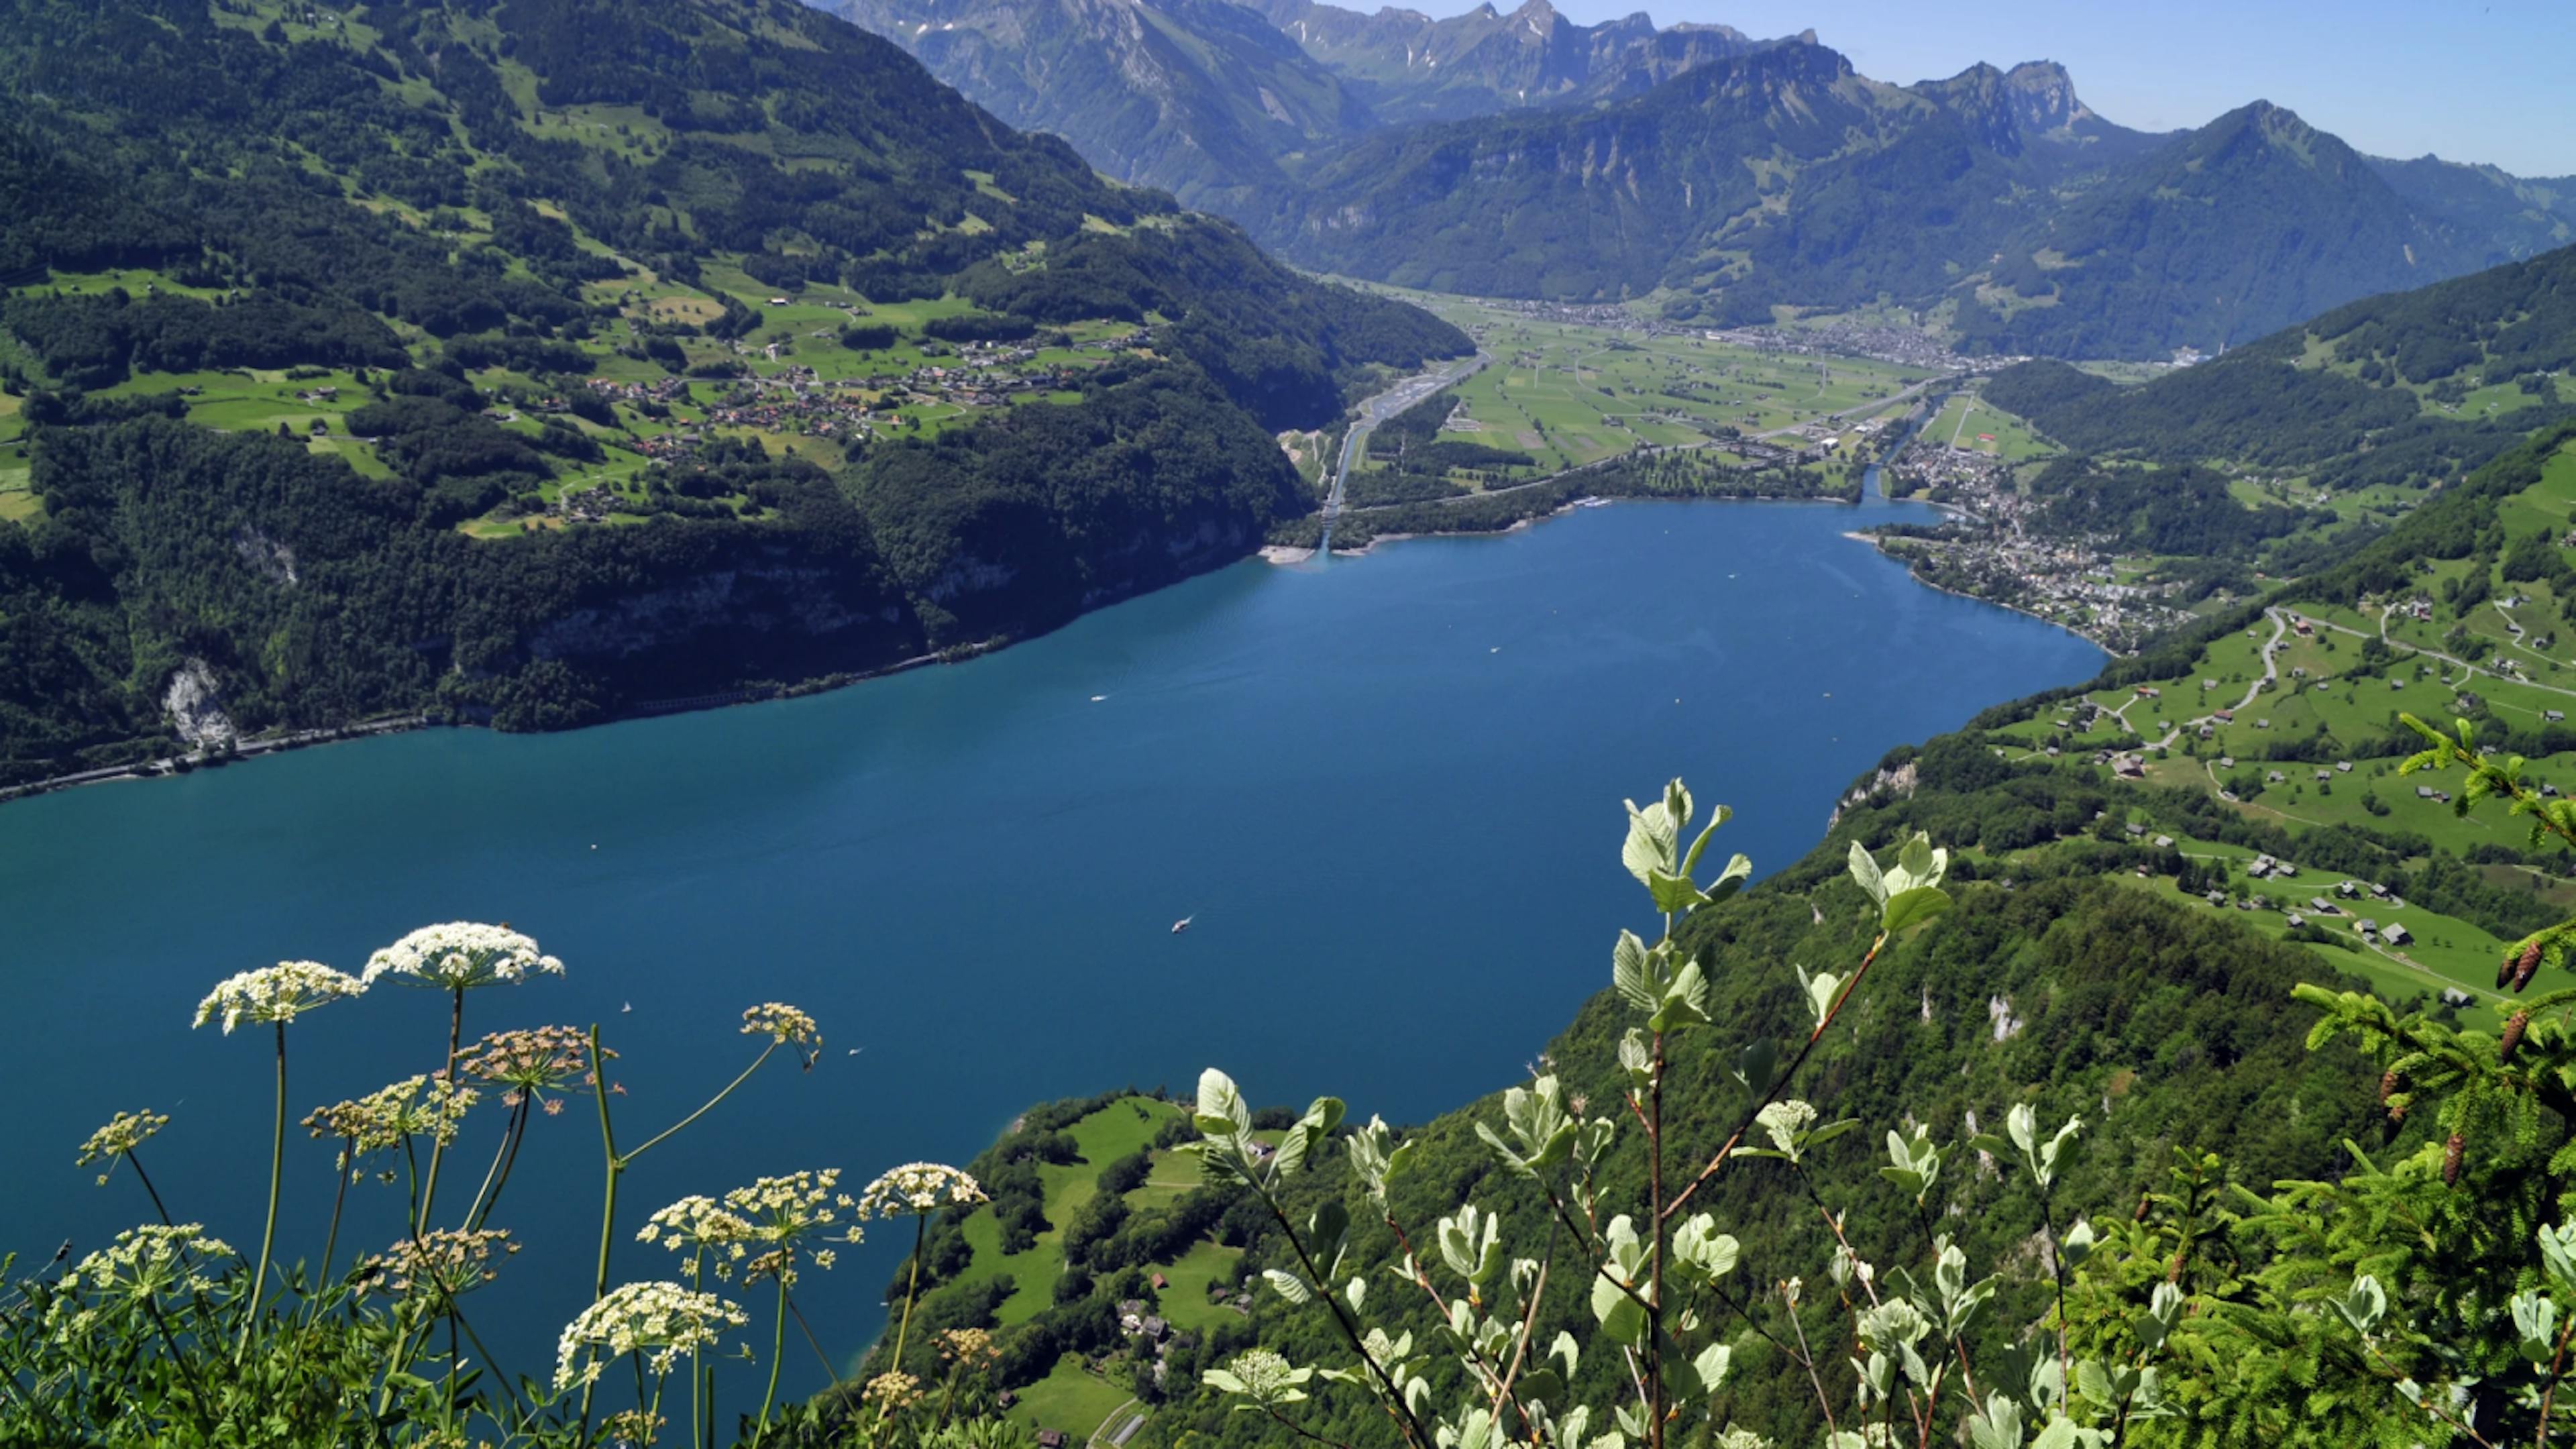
point(414, 201)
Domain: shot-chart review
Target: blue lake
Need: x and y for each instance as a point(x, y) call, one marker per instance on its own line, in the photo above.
point(1387, 788)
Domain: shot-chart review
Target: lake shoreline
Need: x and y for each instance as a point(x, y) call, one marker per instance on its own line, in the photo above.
point(1282, 555)
point(1876, 544)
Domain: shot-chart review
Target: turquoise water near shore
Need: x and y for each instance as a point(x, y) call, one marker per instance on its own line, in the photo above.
point(1387, 788)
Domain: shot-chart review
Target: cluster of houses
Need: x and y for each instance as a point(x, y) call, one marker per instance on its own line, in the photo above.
point(2265, 867)
point(2000, 548)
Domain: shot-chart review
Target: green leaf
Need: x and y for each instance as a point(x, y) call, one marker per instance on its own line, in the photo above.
point(2363, 1305)
point(1650, 843)
point(1730, 880)
point(1622, 1318)
point(1673, 894)
point(1289, 1285)
point(1913, 908)
point(1711, 1366)
point(1757, 1064)
point(1632, 973)
point(1685, 1000)
point(1864, 873)
point(2558, 1255)
point(1220, 1109)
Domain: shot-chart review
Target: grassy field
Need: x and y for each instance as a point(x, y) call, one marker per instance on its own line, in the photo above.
point(1570, 393)
point(1970, 423)
point(2345, 682)
point(1071, 1397)
point(1106, 1135)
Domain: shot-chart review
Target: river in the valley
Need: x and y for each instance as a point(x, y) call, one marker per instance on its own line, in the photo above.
point(1386, 789)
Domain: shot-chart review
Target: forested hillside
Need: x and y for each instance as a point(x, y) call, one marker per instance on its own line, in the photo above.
point(2408, 388)
point(533, 360)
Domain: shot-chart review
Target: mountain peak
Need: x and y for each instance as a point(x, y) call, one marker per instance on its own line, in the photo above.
point(2044, 96)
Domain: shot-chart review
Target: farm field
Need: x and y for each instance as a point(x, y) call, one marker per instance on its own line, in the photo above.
point(1969, 423)
point(2318, 746)
point(1571, 393)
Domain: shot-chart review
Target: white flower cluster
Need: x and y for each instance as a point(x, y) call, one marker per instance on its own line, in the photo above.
point(663, 1320)
point(696, 1224)
point(1264, 1373)
point(918, 1187)
point(142, 1264)
point(462, 954)
point(123, 1133)
point(1785, 1120)
point(782, 1023)
point(274, 993)
point(784, 1211)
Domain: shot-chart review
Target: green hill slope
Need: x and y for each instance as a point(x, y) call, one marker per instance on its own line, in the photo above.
point(2409, 388)
point(534, 361)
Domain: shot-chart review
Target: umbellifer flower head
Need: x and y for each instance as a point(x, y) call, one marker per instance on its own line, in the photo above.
point(786, 1212)
point(787, 1026)
point(697, 1224)
point(443, 1264)
point(538, 1060)
point(274, 993)
point(660, 1320)
point(459, 955)
point(892, 1390)
point(142, 1265)
point(379, 1121)
point(778, 1020)
point(123, 1133)
point(918, 1187)
point(633, 1426)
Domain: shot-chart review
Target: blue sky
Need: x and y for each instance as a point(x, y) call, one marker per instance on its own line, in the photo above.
point(2470, 81)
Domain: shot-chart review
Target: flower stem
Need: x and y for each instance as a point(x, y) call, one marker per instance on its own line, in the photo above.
point(268, 1235)
point(912, 1290)
point(777, 1356)
point(331, 1240)
point(488, 1196)
point(710, 1106)
point(608, 1202)
point(148, 1187)
point(438, 1145)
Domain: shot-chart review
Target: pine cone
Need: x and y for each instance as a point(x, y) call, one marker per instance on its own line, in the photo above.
point(2141, 1215)
point(2514, 1027)
point(2504, 969)
point(2529, 963)
point(2387, 1085)
point(2451, 1160)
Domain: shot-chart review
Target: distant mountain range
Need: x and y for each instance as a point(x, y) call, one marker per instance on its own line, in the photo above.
point(1524, 155)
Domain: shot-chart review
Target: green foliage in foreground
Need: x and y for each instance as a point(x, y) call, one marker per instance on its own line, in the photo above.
point(2417, 1294)
point(169, 1335)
